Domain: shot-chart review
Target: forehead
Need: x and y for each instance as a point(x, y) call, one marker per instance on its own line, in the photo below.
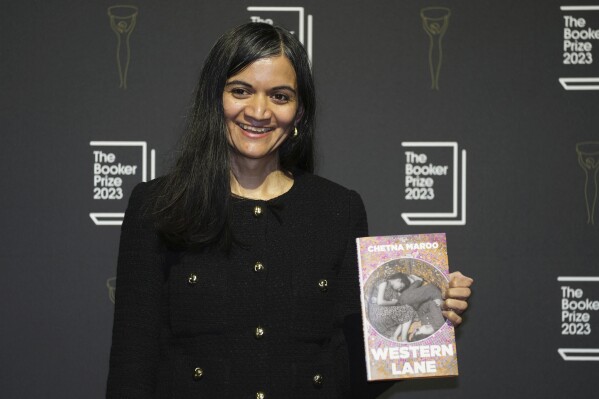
point(271, 71)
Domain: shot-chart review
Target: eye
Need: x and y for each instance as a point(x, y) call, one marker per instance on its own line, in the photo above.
point(281, 98)
point(239, 92)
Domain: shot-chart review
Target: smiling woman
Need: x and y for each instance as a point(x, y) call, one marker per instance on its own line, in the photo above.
point(260, 107)
point(261, 110)
point(255, 77)
point(237, 272)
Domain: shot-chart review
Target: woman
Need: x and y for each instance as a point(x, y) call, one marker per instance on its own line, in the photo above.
point(237, 271)
point(389, 318)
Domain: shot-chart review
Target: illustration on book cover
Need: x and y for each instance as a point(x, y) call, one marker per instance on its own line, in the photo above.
point(402, 280)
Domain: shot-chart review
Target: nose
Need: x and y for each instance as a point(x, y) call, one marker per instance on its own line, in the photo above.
point(258, 108)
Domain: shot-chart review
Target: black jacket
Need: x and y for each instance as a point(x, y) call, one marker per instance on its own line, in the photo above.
point(269, 317)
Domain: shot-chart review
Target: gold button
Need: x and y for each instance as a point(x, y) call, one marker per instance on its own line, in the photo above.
point(323, 285)
point(193, 278)
point(258, 267)
point(257, 211)
point(260, 395)
point(198, 373)
point(259, 332)
point(317, 380)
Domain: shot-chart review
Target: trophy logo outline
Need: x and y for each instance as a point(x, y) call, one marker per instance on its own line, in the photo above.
point(123, 19)
point(588, 159)
point(435, 21)
point(111, 285)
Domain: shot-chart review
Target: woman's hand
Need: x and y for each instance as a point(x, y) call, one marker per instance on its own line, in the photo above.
point(456, 297)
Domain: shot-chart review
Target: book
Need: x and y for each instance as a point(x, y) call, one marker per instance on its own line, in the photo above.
point(402, 281)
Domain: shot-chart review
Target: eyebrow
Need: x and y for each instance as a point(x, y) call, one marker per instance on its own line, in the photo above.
point(242, 83)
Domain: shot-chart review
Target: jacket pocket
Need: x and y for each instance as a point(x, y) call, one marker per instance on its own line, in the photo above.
point(313, 308)
point(198, 298)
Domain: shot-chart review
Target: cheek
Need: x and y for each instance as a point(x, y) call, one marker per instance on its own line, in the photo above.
point(230, 109)
point(287, 117)
point(290, 118)
point(229, 115)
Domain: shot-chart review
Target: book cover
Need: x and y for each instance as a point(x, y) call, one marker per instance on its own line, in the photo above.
point(402, 281)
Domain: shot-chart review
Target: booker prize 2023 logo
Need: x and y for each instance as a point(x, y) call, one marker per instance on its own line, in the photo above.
point(117, 167)
point(294, 19)
point(579, 300)
point(434, 183)
point(580, 26)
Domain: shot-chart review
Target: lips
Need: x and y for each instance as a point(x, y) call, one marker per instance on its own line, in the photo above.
point(255, 129)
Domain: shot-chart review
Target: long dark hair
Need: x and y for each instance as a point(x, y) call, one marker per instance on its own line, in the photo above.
point(192, 201)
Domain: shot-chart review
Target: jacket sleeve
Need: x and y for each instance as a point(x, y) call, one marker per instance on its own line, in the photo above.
point(349, 278)
point(352, 326)
point(136, 330)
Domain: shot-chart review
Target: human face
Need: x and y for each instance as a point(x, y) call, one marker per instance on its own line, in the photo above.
point(397, 284)
point(261, 108)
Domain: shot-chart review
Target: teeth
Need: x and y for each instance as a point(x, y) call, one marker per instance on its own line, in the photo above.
point(254, 129)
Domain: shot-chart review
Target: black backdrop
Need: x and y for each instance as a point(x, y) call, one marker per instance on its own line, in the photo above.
point(520, 146)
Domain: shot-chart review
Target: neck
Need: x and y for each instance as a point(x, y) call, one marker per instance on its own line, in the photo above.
point(260, 179)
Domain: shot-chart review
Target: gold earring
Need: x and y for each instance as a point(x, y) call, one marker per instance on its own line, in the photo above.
point(295, 131)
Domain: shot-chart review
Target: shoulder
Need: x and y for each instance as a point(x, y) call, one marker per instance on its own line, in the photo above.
point(143, 192)
point(324, 188)
point(318, 181)
point(331, 202)
point(142, 199)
